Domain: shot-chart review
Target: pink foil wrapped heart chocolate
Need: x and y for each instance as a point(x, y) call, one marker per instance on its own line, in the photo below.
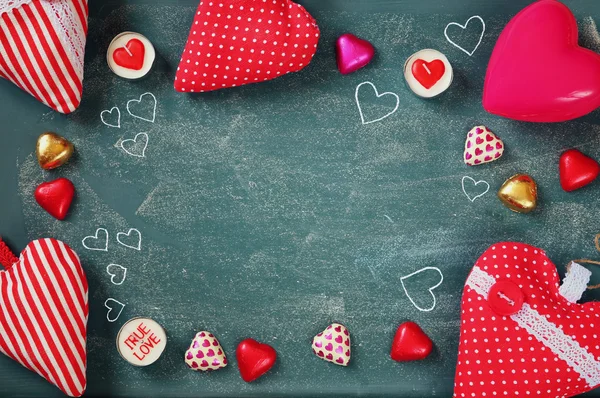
point(333, 344)
point(482, 146)
point(205, 353)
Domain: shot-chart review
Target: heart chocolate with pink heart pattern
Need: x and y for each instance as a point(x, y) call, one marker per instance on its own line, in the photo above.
point(482, 146)
point(205, 353)
point(333, 344)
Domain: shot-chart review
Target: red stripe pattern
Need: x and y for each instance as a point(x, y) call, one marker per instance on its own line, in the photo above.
point(42, 45)
point(44, 313)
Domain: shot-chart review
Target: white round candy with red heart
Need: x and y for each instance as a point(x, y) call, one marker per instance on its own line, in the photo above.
point(130, 55)
point(428, 73)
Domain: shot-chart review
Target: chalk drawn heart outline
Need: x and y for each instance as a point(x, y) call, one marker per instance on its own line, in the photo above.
point(463, 27)
point(128, 234)
point(139, 101)
point(362, 117)
point(95, 237)
point(113, 275)
point(111, 308)
point(431, 289)
point(134, 140)
point(118, 125)
point(474, 183)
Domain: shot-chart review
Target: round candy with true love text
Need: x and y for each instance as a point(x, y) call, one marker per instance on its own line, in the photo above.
point(130, 55)
point(141, 341)
point(428, 73)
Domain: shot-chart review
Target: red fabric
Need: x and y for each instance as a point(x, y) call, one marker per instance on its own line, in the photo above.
point(36, 52)
point(497, 357)
point(44, 312)
point(237, 42)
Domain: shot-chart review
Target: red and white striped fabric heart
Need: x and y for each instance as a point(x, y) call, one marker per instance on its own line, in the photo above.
point(42, 45)
point(523, 335)
point(237, 42)
point(44, 312)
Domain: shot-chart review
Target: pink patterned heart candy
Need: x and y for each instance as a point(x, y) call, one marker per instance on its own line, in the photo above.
point(334, 346)
point(353, 53)
point(201, 347)
point(482, 146)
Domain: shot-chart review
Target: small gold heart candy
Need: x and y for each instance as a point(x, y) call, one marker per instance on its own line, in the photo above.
point(53, 150)
point(519, 193)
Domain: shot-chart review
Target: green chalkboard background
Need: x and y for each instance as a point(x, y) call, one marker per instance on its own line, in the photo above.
point(269, 211)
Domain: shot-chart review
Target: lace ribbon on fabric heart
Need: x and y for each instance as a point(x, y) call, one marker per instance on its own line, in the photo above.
point(554, 338)
point(575, 282)
point(9, 5)
point(69, 29)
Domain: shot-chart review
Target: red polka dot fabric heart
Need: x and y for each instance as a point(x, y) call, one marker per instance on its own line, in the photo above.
point(232, 43)
point(44, 312)
point(522, 334)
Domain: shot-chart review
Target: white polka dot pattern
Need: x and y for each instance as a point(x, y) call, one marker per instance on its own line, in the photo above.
point(237, 42)
point(504, 355)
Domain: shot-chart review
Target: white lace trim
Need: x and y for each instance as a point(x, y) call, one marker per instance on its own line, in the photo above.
point(9, 5)
point(481, 281)
point(562, 345)
point(69, 29)
point(575, 282)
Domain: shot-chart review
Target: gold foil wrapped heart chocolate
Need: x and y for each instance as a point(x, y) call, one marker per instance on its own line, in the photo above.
point(519, 193)
point(53, 151)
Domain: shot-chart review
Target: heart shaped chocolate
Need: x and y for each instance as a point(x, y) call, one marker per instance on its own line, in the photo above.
point(353, 53)
point(410, 343)
point(577, 170)
point(55, 197)
point(333, 344)
point(519, 193)
point(254, 359)
point(53, 151)
point(205, 353)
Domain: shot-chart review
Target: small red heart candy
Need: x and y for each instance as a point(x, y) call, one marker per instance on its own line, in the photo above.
point(254, 359)
point(428, 73)
point(410, 343)
point(131, 56)
point(55, 197)
point(353, 53)
point(577, 170)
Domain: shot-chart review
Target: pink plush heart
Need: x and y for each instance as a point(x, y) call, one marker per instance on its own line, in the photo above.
point(538, 72)
point(353, 53)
